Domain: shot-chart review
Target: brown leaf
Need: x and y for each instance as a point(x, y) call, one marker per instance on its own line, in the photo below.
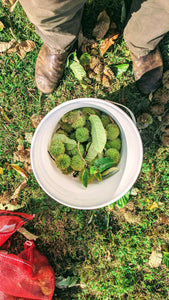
point(35, 120)
point(155, 258)
point(22, 155)
point(4, 46)
point(102, 25)
point(27, 234)
point(20, 170)
point(4, 198)
point(107, 43)
point(19, 189)
point(1, 26)
point(153, 205)
point(1, 171)
point(164, 219)
point(22, 48)
point(94, 62)
point(132, 218)
point(6, 2)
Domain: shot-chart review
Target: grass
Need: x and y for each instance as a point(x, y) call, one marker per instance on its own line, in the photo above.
point(105, 254)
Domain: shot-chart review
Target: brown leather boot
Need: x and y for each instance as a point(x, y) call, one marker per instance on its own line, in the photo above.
point(49, 69)
point(148, 71)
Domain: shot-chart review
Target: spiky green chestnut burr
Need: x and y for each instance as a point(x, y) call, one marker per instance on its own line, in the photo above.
point(82, 134)
point(112, 131)
point(105, 119)
point(80, 122)
point(77, 163)
point(63, 161)
point(116, 143)
point(66, 127)
point(113, 154)
point(76, 150)
point(56, 149)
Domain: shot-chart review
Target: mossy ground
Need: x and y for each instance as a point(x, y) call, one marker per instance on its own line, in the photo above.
point(107, 254)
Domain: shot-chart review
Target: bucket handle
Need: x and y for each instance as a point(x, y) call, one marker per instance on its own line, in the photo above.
point(126, 108)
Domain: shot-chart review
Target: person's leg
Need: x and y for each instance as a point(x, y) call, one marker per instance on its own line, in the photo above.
point(147, 25)
point(57, 22)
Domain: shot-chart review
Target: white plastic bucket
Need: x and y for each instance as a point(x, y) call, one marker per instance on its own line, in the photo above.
point(70, 191)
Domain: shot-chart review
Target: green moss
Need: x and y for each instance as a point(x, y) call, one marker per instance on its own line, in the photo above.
point(77, 163)
point(63, 161)
point(56, 149)
point(112, 131)
point(113, 154)
point(82, 134)
point(116, 143)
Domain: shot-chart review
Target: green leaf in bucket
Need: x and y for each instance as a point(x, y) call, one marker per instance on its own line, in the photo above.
point(98, 176)
point(85, 177)
point(101, 164)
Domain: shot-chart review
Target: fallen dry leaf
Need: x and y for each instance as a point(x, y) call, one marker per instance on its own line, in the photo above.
point(1, 26)
point(27, 234)
point(35, 120)
point(22, 48)
point(11, 2)
point(22, 155)
point(153, 205)
point(164, 219)
point(132, 218)
point(20, 170)
point(28, 137)
point(102, 25)
point(155, 258)
point(19, 189)
point(4, 46)
point(107, 43)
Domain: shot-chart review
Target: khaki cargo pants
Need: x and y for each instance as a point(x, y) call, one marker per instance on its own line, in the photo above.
point(57, 22)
